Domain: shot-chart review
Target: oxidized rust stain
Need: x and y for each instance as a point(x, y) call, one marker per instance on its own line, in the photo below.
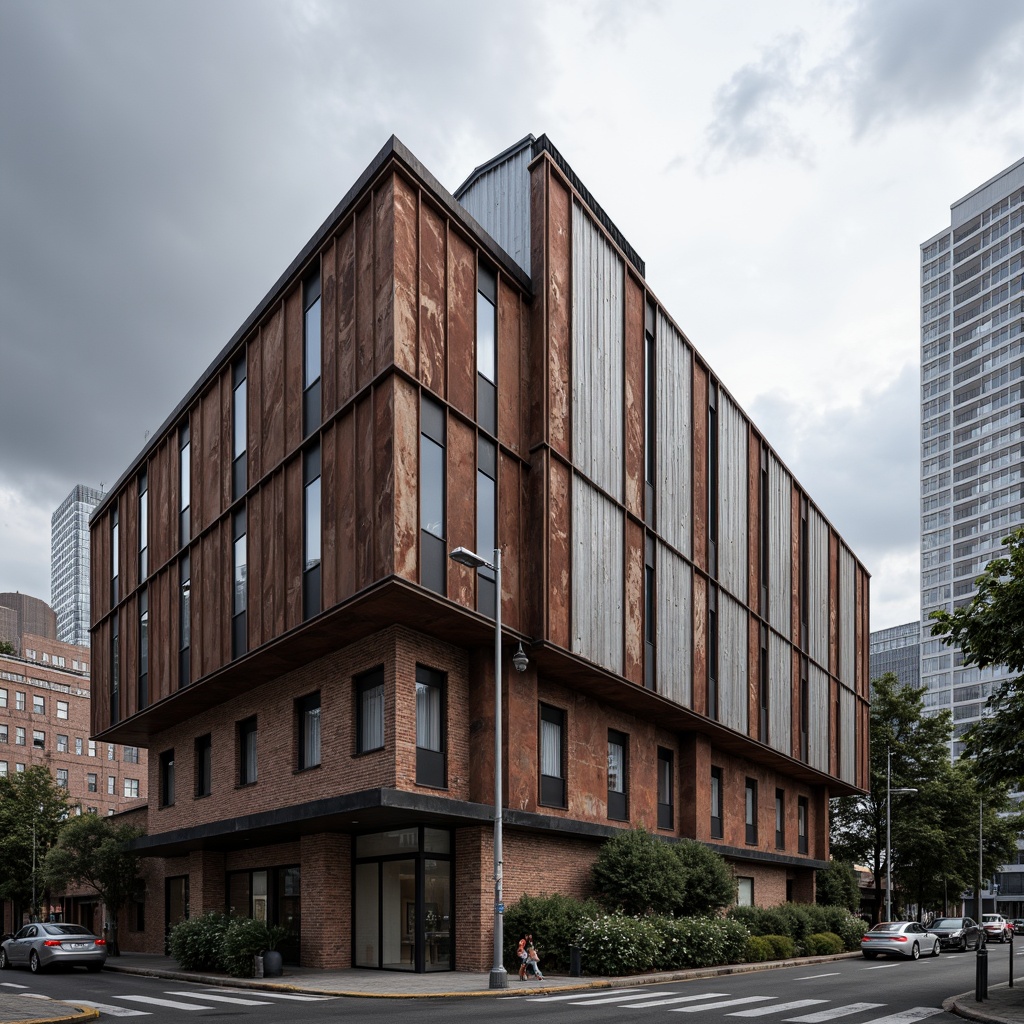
point(329, 328)
point(634, 611)
point(406, 479)
point(406, 265)
point(363, 480)
point(461, 326)
point(700, 635)
point(559, 554)
point(433, 301)
point(291, 529)
point(510, 359)
point(384, 276)
point(510, 518)
point(364, 295)
point(272, 390)
point(559, 302)
point(634, 381)
point(384, 477)
point(293, 360)
point(700, 466)
point(461, 466)
point(345, 554)
point(346, 316)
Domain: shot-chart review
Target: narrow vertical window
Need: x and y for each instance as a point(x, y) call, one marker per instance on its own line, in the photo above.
point(185, 484)
point(240, 590)
point(650, 622)
point(552, 756)
point(805, 715)
point(712, 651)
point(717, 831)
point(311, 532)
point(487, 350)
point(370, 711)
point(712, 472)
point(780, 819)
point(762, 688)
point(433, 556)
point(430, 728)
point(115, 671)
point(311, 354)
point(115, 555)
point(666, 809)
point(142, 692)
point(239, 429)
point(143, 526)
point(307, 721)
point(204, 765)
point(247, 751)
point(765, 545)
point(750, 797)
point(486, 511)
point(801, 824)
point(184, 621)
point(650, 415)
point(167, 778)
point(618, 787)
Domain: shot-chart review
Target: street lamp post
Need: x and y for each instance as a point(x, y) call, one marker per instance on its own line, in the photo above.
point(889, 794)
point(498, 976)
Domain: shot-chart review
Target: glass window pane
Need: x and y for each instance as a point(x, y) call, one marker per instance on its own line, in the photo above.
point(372, 717)
point(186, 475)
point(550, 749)
point(313, 523)
point(239, 424)
point(484, 515)
point(431, 486)
point(486, 348)
point(312, 337)
point(615, 768)
point(240, 595)
point(428, 717)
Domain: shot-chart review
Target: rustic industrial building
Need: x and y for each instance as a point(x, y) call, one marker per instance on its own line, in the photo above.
point(277, 618)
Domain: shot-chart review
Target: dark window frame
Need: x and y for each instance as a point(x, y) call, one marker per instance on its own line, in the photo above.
point(750, 811)
point(802, 815)
point(311, 567)
point(432, 761)
point(552, 788)
point(167, 778)
point(618, 799)
point(304, 743)
point(650, 614)
point(433, 546)
point(364, 683)
point(717, 801)
point(203, 761)
point(665, 786)
point(247, 749)
point(780, 819)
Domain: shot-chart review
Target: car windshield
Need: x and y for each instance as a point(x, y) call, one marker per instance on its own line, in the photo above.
point(889, 926)
point(991, 918)
point(67, 929)
point(948, 922)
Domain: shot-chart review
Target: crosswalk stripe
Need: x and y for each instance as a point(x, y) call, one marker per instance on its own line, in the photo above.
point(114, 1011)
point(718, 1006)
point(675, 999)
point(222, 999)
point(906, 1016)
point(760, 1011)
point(169, 1003)
point(833, 1012)
point(600, 1000)
point(571, 995)
point(268, 994)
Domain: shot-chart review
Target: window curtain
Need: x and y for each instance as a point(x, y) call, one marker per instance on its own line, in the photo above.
point(311, 736)
point(373, 717)
point(550, 749)
point(615, 767)
point(428, 717)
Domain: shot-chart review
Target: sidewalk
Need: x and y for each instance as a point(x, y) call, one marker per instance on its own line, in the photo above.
point(1004, 1005)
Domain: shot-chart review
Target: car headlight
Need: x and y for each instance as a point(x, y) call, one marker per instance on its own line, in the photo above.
point(956, 934)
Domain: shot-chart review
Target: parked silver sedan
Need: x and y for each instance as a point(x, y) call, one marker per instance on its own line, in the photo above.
point(42, 945)
point(899, 938)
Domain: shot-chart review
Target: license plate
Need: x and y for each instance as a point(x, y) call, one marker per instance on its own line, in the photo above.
point(76, 945)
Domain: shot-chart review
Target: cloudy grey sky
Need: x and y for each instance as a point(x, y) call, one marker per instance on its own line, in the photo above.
point(776, 165)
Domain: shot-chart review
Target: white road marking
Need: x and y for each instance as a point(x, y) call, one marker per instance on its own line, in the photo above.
point(835, 1011)
point(169, 1003)
point(880, 967)
point(114, 1011)
point(717, 1006)
point(811, 977)
point(614, 999)
point(11, 984)
point(265, 993)
point(572, 995)
point(676, 999)
point(34, 995)
point(760, 1011)
point(907, 1016)
point(222, 999)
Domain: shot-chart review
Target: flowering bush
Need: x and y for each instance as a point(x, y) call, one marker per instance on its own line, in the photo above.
point(197, 943)
point(553, 921)
point(615, 944)
point(700, 942)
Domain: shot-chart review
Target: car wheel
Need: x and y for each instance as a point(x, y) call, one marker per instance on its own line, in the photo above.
point(935, 948)
point(869, 956)
point(94, 968)
point(915, 953)
point(33, 962)
point(4, 962)
point(963, 944)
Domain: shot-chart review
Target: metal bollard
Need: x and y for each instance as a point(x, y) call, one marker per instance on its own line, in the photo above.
point(981, 975)
point(575, 962)
point(1011, 959)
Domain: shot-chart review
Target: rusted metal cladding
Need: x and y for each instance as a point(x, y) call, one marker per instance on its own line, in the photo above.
point(597, 576)
point(675, 627)
point(780, 693)
point(780, 562)
point(732, 663)
point(817, 572)
point(847, 619)
point(847, 735)
point(732, 498)
point(673, 445)
point(817, 727)
point(500, 200)
point(597, 355)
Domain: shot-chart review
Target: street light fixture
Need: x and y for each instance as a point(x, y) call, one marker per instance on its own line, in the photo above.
point(498, 976)
point(889, 794)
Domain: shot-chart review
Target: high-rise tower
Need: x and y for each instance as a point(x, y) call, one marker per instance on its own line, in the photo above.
point(69, 563)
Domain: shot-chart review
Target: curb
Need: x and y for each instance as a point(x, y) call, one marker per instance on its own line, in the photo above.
point(81, 1013)
point(968, 1012)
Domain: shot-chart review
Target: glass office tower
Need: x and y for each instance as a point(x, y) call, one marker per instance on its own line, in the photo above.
point(69, 563)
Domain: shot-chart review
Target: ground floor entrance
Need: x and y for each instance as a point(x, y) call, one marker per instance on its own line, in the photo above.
point(402, 889)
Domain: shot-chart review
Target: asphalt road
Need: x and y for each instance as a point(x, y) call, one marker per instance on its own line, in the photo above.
point(853, 991)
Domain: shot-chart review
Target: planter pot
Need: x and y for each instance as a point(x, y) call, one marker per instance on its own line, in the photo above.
point(273, 964)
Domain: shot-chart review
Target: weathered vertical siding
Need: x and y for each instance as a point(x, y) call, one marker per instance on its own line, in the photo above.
point(780, 693)
point(848, 735)
point(847, 618)
point(732, 497)
point(732, 662)
point(674, 640)
point(817, 733)
point(817, 613)
point(780, 560)
point(673, 488)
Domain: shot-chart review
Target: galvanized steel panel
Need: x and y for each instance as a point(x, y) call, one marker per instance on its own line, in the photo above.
point(673, 412)
point(847, 618)
point(597, 355)
point(817, 612)
point(780, 553)
point(733, 640)
point(847, 735)
point(598, 531)
point(500, 200)
point(817, 727)
point(780, 694)
point(732, 497)
point(674, 637)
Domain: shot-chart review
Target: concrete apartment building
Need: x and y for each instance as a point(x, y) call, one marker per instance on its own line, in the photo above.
point(972, 373)
point(276, 616)
point(69, 563)
point(45, 720)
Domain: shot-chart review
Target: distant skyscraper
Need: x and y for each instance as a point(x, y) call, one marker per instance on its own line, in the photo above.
point(972, 333)
point(69, 564)
point(897, 650)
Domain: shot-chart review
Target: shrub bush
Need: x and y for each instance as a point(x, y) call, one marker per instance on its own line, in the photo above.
point(783, 947)
point(798, 921)
point(847, 926)
point(758, 949)
point(761, 920)
point(699, 942)
point(823, 944)
point(555, 923)
point(197, 943)
point(244, 938)
point(636, 873)
point(708, 883)
point(616, 944)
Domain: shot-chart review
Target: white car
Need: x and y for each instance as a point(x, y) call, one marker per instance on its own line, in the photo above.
point(997, 928)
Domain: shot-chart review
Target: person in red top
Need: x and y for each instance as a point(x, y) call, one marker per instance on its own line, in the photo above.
point(522, 955)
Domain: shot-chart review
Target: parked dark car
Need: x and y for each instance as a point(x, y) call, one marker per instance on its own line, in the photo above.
point(42, 945)
point(957, 932)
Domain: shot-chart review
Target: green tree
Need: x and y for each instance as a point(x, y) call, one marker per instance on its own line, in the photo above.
point(32, 811)
point(94, 853)
point(6, 647)
point(990, 631)
point(708, 883)
point(837, 886)
point(636, 873)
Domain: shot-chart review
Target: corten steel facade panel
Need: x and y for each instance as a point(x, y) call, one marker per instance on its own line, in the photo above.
point(399, 272)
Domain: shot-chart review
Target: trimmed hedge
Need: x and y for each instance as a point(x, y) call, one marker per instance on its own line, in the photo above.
point(823, 944)
point(758, 949)
point(197, 943)
point(798, 921)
